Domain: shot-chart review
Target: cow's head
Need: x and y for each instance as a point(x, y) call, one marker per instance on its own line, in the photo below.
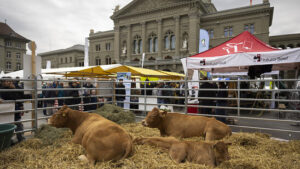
point(60, 118)
point(154, 118)
point(221, 152)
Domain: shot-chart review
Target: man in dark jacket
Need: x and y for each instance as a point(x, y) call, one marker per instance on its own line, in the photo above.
point(73, 93)
point(222, 103)
point(12, 95)
point(207, 93)
point(120, 90)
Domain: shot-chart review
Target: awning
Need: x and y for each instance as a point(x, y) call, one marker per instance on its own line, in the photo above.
point(135, 71)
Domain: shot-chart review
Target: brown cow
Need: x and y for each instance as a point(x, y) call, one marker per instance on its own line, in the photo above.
point(102, 139)
point(211, 154)
point(182, 125)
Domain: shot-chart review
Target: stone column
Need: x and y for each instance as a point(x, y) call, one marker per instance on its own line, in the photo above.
point(177, 36)
point(194, 27)
point(116, 47)
point(129, 43)
point(144, 38)
point(159, 38)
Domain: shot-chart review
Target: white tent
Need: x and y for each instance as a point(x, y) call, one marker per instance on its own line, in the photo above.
point(241, 52)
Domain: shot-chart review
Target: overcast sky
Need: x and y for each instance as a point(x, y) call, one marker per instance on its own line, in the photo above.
point(57, 24)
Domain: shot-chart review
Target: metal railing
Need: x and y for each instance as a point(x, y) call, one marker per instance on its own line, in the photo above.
point(268, 110)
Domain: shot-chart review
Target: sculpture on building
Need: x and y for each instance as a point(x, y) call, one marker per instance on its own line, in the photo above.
point(124, 49)
point(184, 44)
point(117, 8)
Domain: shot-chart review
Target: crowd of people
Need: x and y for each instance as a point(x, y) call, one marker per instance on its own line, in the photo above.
point(76, 94)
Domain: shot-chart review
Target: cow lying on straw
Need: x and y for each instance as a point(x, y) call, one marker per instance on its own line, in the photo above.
point(211, 154)
point(102, 139)
point(182, 125)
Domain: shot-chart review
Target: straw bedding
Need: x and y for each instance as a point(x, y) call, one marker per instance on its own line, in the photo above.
point(248, 151)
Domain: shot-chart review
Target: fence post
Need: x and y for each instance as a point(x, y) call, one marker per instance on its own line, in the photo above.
point(185, 94)
point(145, 98)
point(114, 92)
point(35, 103)
point(239, 101)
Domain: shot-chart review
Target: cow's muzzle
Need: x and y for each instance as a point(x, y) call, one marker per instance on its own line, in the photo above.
point(144, 123)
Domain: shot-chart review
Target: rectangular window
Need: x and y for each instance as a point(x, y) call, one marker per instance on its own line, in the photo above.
point(98, 61)
point(71, 59)
point(8, 43)
point(246, 27)
point(252, 28)
point(140, 46)
point(8, 65)
point(98, 47)
point(150, 45)
point(18, 55)
point(173, 42)
point(107, 46)
point(8, 54)
point(155, 45)
point(228, 31)
point(18, 66)
point(108, 61)
point(211, 33)
point(18, 45)
point(66, 60)
point(81, 64)
point(167, 43)
point(61, 60)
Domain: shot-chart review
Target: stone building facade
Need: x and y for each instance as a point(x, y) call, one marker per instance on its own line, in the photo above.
point(285, 41)
point(12, 49)
point(69, 57)
point(168, 30)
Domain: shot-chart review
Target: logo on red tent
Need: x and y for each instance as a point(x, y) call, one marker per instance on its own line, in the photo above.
point(203, 62)
point(257, 58)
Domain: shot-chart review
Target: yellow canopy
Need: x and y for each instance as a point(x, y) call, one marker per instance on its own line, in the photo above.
point(95, 71)
point(135, 71)
point(173, 74)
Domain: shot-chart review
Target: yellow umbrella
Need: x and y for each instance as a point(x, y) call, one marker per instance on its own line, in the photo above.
point(96, 71)
point(135, 71)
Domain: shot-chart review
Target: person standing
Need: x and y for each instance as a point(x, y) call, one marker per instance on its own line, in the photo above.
point(207, 93)
point(222, 103)
point(120, 93)
point(13, 96)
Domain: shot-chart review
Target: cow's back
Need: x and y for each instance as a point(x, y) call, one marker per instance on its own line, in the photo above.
point(98, 132)
point(181, 125)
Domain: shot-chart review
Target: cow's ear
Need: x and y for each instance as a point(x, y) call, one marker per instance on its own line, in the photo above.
point(163, 113)
point(228, 143)
point(64, 108)
point(65, 111)
point(155, 109)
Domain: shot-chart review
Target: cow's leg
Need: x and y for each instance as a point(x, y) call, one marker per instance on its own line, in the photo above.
point(91, 159)
point(83, 158)
point(178, 152)
point(210, 136)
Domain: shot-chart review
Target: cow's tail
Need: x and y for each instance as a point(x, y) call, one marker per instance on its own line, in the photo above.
point(128, 148)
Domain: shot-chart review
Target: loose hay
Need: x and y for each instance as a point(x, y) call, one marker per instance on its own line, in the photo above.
point(248, 151)
point(116, 114)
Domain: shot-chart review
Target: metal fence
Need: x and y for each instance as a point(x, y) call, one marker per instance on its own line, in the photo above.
point(249, 105)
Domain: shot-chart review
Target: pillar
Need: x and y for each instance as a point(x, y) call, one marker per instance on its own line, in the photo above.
point(129, 43)
point(117, 44)
point(159, 38)
point(177, 36)
point(194, 29)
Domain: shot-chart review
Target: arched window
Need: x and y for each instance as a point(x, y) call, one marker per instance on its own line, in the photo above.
point(282, 46)
point(18, 66)
point(98, 61)
point(8, 65)
point(136, 60)
point(155, 44)
point(152, 43)
point(137, 45)
point(170, 40)
point(168, 57)
point(290, 46)
point(173, 42)
point(107, 60)
point(151, 58)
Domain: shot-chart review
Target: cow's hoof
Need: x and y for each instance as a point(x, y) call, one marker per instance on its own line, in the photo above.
point(83, 158)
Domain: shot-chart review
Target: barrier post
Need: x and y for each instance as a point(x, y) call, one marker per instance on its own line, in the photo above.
point(35, 104)
point(239, 101)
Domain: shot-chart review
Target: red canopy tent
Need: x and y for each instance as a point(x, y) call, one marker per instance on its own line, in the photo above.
point(242, 51)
